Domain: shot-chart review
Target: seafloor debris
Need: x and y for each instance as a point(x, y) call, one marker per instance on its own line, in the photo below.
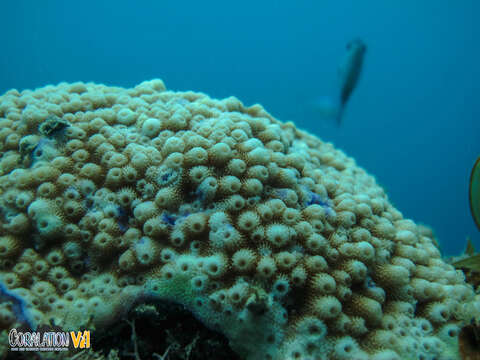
point(53, 126)
point(469, 340)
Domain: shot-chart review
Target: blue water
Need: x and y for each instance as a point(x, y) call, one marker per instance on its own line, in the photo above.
point(413, 121)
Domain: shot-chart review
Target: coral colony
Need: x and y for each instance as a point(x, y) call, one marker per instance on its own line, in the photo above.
point(263, 231)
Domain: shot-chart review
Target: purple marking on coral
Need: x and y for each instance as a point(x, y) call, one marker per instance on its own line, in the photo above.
point(74, 190)
point(123, 228)
point(37, 150)
point(122, 219)
point(170, 220)
point(328, 210)
point(281, 193)
point(370, 283)
point(317, 199)
point(166, 176)
point(200, 194)
point(87, 261)
point(19, 306)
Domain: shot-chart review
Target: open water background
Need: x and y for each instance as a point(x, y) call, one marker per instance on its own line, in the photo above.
point(413, 121)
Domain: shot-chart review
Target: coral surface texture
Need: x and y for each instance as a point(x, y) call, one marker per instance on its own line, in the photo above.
point(110, 197)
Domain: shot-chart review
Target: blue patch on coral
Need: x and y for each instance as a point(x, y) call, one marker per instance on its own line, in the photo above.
point(37, 151)
point(42, 151)
point(87, 262)
point(19, 306)
point(168, 219)
point(174, 219)
point(74, 192)
point(315, 199)
point(370, 283)
point(200, 194)
point(122, 218)
point(280, 193)
point(167, 176)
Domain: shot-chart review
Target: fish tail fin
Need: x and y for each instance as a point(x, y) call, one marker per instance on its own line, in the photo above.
point(328, 108)
point(339, 115)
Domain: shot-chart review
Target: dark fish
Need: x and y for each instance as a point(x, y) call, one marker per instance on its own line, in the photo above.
point(349, 72)
point(470, 263)
point(474, 192)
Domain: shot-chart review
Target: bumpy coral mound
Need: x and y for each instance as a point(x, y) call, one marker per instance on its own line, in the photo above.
point(111, 196)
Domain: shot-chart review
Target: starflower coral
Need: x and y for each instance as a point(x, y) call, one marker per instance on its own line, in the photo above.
point(110, 196)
